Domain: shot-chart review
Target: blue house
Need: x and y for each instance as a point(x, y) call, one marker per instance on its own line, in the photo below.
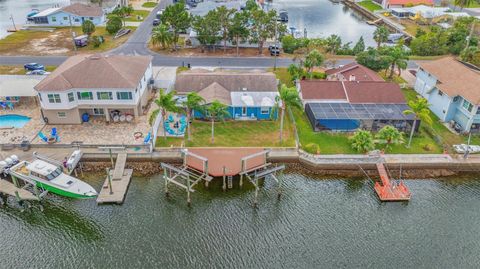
point(74, 14)
point(453, 91)
point(248, 95)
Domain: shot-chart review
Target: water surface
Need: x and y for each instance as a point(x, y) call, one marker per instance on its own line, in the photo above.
point(317, 224)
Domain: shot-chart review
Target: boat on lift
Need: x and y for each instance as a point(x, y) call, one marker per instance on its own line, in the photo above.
point(32, 13)
point(283, 16)
point(50, 177)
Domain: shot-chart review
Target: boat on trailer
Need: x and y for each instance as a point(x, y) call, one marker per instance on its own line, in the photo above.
point(51, 177)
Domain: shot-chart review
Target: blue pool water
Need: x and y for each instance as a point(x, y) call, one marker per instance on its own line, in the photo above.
point(17, 121)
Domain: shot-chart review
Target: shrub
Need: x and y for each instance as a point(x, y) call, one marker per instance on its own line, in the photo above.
point(362, 141)
point(289, 44)
point(88, 27)
point(114, 24)
point(312, 148)
point(319, 75)
point(427, 147)
point(96, 41)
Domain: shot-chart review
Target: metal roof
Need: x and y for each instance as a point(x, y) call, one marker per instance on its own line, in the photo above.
point(358, 111)
point(18, 85)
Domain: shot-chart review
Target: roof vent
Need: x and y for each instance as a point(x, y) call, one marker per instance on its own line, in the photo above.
point(352, 78)
point(244, 89)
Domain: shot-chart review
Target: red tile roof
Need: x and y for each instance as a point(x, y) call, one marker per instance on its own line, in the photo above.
point(361, 73)
point(355, 92)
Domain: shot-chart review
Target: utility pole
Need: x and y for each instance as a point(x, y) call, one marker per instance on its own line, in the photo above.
point(14, 27)
point(276, 49)
point(73, 36)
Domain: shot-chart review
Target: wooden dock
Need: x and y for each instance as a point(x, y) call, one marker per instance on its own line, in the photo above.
point(116, 184)
point(10, 189)
point(388, 192)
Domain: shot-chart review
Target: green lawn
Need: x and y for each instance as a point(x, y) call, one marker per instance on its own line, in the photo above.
point(368, 4)
point(236, 134)
point(283, 75)
point(19, 70)
point(149, 4)
point(134, 17)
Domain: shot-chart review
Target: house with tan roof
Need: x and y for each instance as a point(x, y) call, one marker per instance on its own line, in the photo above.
point(74, 14)
point(248, 95)
point(453, 90)
point(345, 106)
point(114, 88)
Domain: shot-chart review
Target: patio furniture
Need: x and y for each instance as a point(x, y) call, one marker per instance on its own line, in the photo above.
point(25, 145)
point(129, 118)
point(54, 134)
point(43, 137)
point(122, 118)
point(147, 138)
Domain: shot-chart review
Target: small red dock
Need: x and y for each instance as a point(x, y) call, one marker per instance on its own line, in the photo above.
point(390, 192)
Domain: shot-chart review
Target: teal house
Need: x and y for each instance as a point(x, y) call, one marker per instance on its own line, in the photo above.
point(453, 90)
point(248, 95)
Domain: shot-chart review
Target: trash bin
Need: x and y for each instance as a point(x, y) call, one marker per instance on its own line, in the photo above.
point(25, 145)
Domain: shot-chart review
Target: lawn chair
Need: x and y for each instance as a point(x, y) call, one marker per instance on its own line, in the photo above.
point(54, 134)
point(147, 138)
point(43, 137)
point(3, 105)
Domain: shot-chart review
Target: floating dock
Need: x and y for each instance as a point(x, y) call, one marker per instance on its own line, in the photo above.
point(21, 194)
point(388, 191)
point(115, 187)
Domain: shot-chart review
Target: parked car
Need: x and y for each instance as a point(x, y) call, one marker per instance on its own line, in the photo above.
point(274, 52)
point(38, 72)
point(33, 66)
point(273, 47)
point(156, 22)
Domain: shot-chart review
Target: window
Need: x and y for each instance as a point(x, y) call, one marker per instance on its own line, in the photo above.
point(61, 115)
point(84, 95)
point(65, 18)
point(98, 111)
point(264, 110)
point(77, 19)
point(467, 105)
point(124, 96)
point(90, 18)
point(54, 18)
point(440, 93)
point(40, 97)
point(104, 96)
point(478, 110)
point(54, 98)
point(71, 97)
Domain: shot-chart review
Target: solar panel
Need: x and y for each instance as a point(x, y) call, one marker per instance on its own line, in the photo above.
point(359, 111)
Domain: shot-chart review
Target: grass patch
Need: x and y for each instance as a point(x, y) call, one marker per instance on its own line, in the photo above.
point(396, 78)
point(149, 4)
point(283, 75)
point(236, 134)
point(19, 70)
point(135, 15)
point(181, 69)
point(109, 43)
point(370, 5)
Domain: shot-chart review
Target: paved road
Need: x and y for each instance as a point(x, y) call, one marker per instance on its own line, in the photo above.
point(137, 45)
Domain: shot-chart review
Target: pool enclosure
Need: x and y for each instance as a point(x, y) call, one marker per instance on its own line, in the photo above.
point(346, 117)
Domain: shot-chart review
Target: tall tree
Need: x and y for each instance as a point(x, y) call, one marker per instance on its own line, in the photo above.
point(192, 103)
point(295, 71)
point(262, 27)
point(418, 108)
point(88, 27)
point(381, 35)
point(161, 35)
point(165, 103)
point(216, 111)
point(207, 29)
point(288, 97)
point(251, 5)
point(372, 59)
point(114, 24)
point(238, 30)
point(463, 3)
point(359, 47)
point(397, 58)
point(333, 43)
point(313, 59)
point(178, 19)
point(224, 16)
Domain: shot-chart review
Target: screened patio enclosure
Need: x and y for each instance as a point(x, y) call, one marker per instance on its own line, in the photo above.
point(346, 117)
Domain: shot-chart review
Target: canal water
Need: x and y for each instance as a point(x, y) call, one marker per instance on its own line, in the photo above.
point(318, 223)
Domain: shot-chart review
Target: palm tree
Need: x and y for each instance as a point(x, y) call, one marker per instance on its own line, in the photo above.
point(216, 111)
point(463, 3)
point(381, 35)
point(287, 98)
point(166, 103)
point(162, 35)
point(313, 59)
point(193, 102)
point(362, 141)
point(397, 58)
point(390, 135)
point(333, 43)
point(418, 108)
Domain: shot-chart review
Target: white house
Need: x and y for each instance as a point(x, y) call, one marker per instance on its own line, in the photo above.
point(74, 14)
point(84, 86)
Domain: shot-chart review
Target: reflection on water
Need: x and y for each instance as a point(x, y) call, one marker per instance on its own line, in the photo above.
point(322, 18)
point(19, 10)
point(318, 223)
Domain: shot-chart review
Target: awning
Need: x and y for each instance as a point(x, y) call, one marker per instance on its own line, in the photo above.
point(18, 85)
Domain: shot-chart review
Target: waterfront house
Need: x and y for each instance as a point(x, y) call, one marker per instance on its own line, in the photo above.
point(387, 4)
point(74, 14)
point(345, 106)
point(353, 72)
point(248, 95)
point(111, 88)
point(426, 12)
point(453, 91)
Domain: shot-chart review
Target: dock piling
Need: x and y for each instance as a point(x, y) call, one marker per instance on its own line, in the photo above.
point(224, 186)
point(109, 181)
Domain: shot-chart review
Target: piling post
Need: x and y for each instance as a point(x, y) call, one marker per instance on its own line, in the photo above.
point(224, 186)
point(109, 181)
point(15, 181)
point(230, 182)
point(111, 157)
point(81, 169)
point(165, 177)
point(17, 197)
point(241, 175)
point(241, 180)
point(279, 195)
point(188, 191)
point(35, 190)
point(255, 200)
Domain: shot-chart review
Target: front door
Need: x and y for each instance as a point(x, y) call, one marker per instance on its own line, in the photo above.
point(244, 111)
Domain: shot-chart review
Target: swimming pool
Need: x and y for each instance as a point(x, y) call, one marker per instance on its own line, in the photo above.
point(16, 121)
